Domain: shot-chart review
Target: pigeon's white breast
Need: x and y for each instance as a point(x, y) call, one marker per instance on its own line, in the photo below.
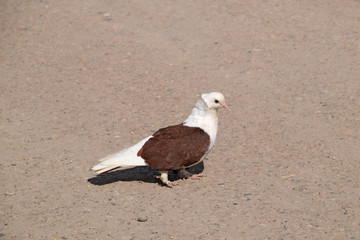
point(207, 122)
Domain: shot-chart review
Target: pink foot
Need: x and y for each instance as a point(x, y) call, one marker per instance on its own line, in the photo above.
point(196, 176)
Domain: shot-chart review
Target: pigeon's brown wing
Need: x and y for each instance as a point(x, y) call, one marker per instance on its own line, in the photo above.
point(175, 147)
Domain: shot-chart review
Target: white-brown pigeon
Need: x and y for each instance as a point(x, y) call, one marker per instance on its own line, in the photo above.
point(175, 147)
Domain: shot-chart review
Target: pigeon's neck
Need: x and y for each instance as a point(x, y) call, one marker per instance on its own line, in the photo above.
point(204, 118)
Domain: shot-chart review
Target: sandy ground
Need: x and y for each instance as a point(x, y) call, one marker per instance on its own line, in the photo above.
point(82, 79)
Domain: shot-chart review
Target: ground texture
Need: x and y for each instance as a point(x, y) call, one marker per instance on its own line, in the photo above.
point(82, 79)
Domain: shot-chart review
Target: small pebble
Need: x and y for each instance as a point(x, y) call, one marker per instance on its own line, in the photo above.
point(142, 219)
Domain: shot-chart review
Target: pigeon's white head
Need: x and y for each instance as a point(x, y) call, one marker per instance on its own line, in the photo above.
point(214, 100)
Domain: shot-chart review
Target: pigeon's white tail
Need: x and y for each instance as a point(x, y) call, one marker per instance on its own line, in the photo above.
point(123, 159)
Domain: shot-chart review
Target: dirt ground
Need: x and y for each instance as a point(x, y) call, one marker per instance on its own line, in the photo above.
point(81, 79)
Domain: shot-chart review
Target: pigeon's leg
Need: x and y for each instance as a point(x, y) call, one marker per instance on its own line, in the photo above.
point(164, 178)
point(185, 174)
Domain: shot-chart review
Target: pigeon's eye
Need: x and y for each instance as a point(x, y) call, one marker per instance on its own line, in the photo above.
point(216, 101)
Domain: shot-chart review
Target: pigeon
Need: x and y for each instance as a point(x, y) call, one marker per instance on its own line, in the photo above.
point(175, 147)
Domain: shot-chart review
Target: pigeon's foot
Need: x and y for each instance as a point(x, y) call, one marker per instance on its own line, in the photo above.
point(185, 175)
point(164, 178)
point(196, 176)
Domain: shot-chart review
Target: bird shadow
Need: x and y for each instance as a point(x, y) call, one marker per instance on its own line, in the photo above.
point(142, 174)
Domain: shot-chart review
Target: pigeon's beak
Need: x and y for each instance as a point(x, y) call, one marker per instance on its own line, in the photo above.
point(224, 105)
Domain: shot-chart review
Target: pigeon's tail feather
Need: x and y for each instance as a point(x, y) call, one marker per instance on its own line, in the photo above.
point(101, 169)
point(123, 159)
